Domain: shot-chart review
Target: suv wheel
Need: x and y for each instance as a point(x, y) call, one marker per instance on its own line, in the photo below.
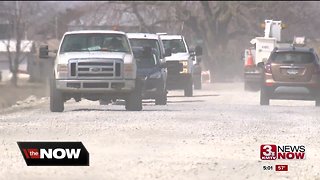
point(264, 96)
point(161, 99)
point(134, 100)
point(56, 98)
point(188, 90)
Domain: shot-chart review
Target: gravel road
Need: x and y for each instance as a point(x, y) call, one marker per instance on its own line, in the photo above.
point(214, 135)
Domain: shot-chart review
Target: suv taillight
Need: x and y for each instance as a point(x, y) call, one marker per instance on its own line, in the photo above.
point(267, 67)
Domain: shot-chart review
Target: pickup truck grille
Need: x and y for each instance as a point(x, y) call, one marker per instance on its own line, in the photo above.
point(95, 68)
point(174, 67)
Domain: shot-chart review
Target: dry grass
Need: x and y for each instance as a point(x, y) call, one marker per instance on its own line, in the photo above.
point(9, 95)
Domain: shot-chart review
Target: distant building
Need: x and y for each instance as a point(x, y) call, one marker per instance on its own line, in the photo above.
point(26, 46)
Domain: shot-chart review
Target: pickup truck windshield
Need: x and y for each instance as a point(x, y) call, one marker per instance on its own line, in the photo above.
point(176, 45)
point(95, 42)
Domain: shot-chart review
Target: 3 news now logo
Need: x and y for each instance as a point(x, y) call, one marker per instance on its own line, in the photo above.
point(273, 152)
point(54, 153)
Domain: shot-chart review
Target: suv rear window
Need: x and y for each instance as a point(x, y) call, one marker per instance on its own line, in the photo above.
point(292, 57)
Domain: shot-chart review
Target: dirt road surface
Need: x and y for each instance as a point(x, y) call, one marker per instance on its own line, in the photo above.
point(214, 135)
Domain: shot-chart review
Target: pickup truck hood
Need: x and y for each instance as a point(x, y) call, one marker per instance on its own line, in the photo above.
point(64, 57)
point(178, 57)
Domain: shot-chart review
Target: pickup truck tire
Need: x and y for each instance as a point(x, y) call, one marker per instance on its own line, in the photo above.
point(56, 98)
point(161, 99)
point(197, 82)
point(264, 96)
point(134, 100)
point(188, 90)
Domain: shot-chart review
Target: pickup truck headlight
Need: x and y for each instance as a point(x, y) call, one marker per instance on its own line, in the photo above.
point(185, 63)
point(62, 70)
point(156, 75)
point(185, 66)
point(129, 71)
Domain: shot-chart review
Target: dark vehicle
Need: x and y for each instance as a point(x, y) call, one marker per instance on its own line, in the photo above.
point(291, 73)
point(150, 55)
point(150, 69)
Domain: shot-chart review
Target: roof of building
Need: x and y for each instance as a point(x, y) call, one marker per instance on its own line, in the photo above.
point(25, 46)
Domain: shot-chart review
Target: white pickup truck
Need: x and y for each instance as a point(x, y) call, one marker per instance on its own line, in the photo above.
point(95, 65)
point(183, 69)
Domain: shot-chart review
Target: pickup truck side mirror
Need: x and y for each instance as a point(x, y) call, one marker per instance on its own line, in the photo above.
point(192, 52)
point(168, 52)
point(44, 51)
point(198, 50)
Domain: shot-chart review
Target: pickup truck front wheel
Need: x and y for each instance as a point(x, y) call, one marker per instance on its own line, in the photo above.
point(188, 90)
point(134, 100)
point(56, 98)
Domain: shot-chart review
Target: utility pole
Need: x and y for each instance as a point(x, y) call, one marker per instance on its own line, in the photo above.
point(15, 65)
point(56, 26)
point(16, 13)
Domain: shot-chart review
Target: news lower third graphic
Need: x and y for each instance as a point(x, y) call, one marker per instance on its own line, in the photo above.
point(273, 152)
point(54, 153)
point(281, 152)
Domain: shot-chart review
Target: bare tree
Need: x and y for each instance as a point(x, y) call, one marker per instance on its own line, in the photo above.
point(225, 27)
point(22, 16)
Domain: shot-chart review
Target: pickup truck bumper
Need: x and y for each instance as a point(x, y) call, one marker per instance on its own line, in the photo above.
point(103, 86)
